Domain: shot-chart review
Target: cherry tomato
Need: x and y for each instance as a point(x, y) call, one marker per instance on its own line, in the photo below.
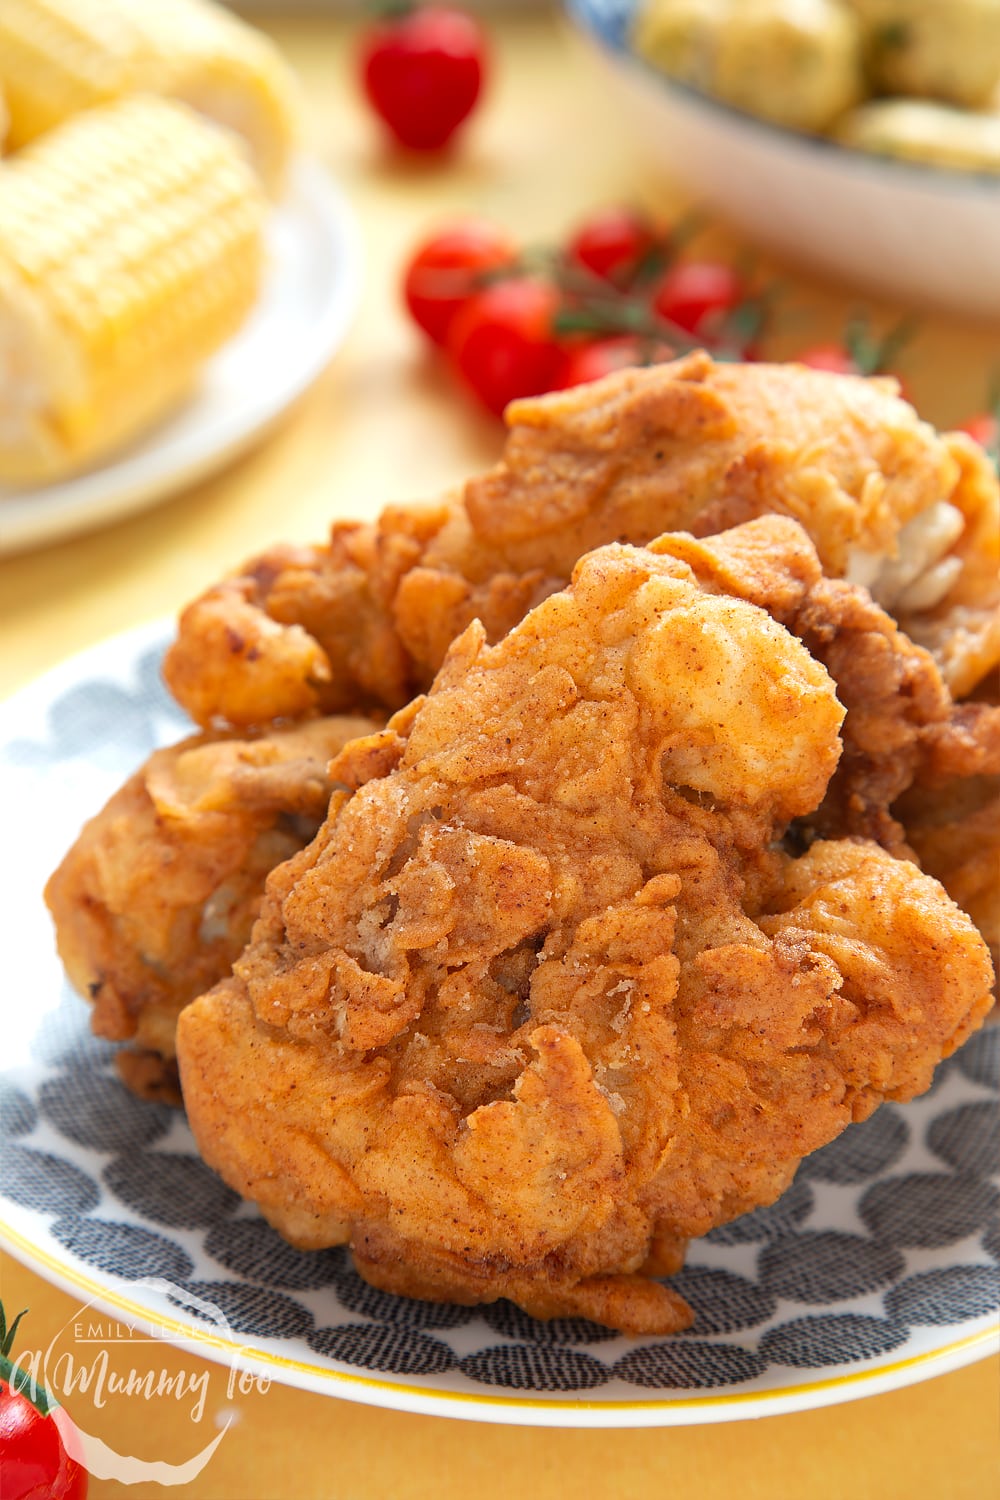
point(423, 72)
point(593, 361)
point(612, 243)
point(503, 344)
point(442, 274)
point(985, 429)
point(831, 357)
point(34, 1464)
point(695, 292)
point(837, 360)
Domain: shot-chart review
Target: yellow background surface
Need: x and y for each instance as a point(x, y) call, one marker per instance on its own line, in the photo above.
point(387, 423)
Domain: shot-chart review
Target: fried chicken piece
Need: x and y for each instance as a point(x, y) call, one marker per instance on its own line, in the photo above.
point(919, 773)
point(543, 998)
point(952, 810)
point(902, 728)
point(159, 893)
point(962, 628)
point(955, 832)
point(691, 445)
point(852, 1001)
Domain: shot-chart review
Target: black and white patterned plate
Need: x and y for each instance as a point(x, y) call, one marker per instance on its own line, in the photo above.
point(878, 1267)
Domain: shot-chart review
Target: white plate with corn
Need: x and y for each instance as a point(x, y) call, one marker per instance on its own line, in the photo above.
point(172, 274)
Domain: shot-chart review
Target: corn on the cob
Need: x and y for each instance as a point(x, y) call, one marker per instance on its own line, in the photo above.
point(60, 56)
point(130, 249)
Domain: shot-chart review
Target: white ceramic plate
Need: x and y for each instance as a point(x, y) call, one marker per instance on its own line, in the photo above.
point(876, 1269)
point(914, 234)
point(310, 292)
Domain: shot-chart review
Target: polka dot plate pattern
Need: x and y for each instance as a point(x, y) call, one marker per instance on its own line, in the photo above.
point(879, 1266)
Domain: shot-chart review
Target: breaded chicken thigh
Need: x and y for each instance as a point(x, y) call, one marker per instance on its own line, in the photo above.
point(690, 445)
point(159, 892)
point(545, 997)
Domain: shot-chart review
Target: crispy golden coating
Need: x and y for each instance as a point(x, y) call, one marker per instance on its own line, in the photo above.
point(902, 728)
point(141, 946)
point(955, 831)
point(544, 998)
point(952, 811)
point(962, 629)
point(919, 773)
point(690, 445)
point(159, 892)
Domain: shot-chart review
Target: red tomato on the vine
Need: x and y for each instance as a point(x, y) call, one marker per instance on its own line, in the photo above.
point(602, 357)
point(612, 244)
point(985, 429)
point(503, 341)
point(831, 357)
point(423, 72)
point(34, 1464)
point(445, 271)
point(836, 359)
point(694, 293)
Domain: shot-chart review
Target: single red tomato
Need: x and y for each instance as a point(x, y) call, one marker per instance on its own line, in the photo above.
point(831, 357)
point(503, 343)
point(423, 72)
point(612, 243)
point(593, 361)
point(443, 273)
point(694, 292)
point(34, 1464)
point(836, 359)
point(985, 428)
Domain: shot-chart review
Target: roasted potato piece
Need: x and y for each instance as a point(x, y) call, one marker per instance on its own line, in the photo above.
point(794, 62)
point(934, 134)
point(933, 49)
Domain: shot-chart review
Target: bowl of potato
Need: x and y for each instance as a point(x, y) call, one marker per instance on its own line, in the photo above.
point(858, 137)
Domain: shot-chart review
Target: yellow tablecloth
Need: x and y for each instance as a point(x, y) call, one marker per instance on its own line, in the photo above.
point(385, 423)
